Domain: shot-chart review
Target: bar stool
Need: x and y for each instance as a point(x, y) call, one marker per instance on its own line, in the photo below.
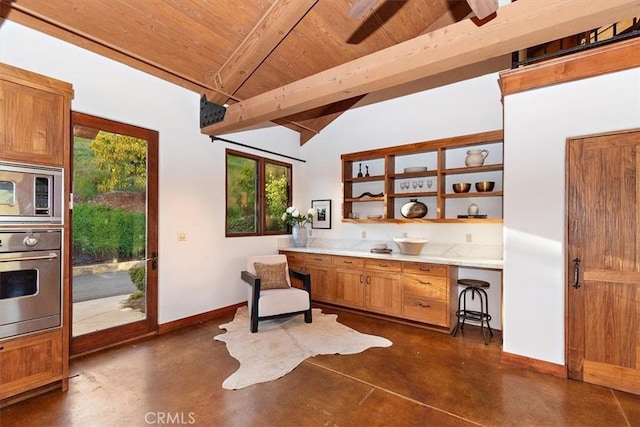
point(475, 287)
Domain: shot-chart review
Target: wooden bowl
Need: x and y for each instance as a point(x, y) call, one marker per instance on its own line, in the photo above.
point(461, 187)
point(485, 186)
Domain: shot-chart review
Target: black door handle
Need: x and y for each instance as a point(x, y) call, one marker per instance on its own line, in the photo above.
point(576, 273)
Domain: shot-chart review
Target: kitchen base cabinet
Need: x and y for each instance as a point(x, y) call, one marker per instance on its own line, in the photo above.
point(349, 281)
point(415, 291)
point(430, 293)
point(30, 362)
point(322, 277)
point(383, 287)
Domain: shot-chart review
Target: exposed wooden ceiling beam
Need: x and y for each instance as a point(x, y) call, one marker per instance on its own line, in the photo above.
point(273, 27)
point(517, 26)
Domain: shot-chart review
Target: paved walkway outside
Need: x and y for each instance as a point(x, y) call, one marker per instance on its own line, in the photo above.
point(102, 313)
point(95, 307)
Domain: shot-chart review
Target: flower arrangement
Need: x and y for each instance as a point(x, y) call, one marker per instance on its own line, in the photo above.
point(293, 217)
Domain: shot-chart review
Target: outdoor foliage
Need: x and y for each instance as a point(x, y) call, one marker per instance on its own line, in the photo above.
point(86, 174)
point(106, 232)
point(138, 276)
point(276, 196)
point(241, 194)
point(123, 158)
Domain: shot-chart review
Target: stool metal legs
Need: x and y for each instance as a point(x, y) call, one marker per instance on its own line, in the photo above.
point(481, 316)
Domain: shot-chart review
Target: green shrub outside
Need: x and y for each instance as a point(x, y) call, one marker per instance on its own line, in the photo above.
point(138, 276)
point(106, 232)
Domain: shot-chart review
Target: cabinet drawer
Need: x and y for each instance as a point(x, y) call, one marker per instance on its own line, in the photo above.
point(294, 257)
point(383, 265)
point(426, 286)
point(426, 310)
point(422, 268)
point(348, 261)
point(317, 259)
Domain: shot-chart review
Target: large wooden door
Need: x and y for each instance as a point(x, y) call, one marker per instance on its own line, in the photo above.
point(604, 260)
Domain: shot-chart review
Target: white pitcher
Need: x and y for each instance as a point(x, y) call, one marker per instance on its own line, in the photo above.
point(476, 157)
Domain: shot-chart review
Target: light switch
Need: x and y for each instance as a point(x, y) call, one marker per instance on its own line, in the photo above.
point(182, 236)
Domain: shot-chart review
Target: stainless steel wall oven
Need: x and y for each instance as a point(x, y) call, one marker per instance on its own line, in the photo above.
point(30, 281)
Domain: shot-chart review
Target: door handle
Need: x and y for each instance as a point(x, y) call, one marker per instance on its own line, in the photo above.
point(154, 260)
point(576, 273)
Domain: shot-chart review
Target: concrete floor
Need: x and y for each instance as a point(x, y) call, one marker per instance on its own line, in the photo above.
point(424, 379)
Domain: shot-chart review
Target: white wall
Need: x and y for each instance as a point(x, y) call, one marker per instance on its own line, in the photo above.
point(201, 273)
point(466, 107)
point(537, 124)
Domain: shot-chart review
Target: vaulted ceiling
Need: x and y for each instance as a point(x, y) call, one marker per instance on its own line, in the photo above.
point(273, 60)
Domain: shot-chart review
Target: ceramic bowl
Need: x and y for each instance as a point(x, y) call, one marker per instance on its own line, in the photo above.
point(461, 187)
point(484, 186)
point(410, 245)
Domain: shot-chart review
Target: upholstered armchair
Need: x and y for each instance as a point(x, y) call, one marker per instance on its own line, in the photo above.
point(270, 292)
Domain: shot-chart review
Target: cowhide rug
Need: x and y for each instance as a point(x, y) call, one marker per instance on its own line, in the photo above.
point(282, 344)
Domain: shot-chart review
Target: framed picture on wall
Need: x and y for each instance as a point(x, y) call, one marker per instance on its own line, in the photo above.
point(322, 217)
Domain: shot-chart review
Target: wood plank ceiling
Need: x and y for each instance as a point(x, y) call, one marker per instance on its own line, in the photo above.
point(235, 51)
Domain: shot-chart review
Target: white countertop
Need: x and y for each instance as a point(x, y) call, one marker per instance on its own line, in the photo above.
point(475, 256)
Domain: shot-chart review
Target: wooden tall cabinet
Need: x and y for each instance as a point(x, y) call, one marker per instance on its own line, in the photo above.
point(35, 126)
point(34, 117)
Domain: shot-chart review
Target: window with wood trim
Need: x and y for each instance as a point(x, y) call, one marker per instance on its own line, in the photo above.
point(258, 190)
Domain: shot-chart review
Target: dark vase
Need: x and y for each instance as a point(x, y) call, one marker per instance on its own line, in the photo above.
point(413, 209)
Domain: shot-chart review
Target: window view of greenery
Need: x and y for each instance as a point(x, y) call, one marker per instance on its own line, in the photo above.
point(109, 213)
point(245, 191)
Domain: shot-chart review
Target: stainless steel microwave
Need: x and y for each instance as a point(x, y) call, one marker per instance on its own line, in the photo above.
point(30, 194)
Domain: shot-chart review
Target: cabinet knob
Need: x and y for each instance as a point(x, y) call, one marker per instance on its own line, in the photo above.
point(348, 262)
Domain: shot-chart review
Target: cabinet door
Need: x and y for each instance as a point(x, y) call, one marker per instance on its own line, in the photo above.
point(30, 362)
point(349, 287)
point(384, 292)
point(295, 261)
point(322, 283)
point(31, 124)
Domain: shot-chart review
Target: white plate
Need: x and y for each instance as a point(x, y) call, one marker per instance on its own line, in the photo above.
point(415, 169)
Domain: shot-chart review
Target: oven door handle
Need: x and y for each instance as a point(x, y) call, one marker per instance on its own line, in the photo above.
point(51, 255)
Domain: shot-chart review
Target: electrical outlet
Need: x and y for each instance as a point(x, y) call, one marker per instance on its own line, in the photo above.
point(469, 237)
point(182, 236)
point(364, 234)
point(405, 234)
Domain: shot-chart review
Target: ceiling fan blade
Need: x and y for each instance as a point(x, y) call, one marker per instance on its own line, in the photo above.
point(483, 8)
point(360, 7)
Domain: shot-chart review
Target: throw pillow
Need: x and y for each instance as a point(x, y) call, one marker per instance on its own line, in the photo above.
point(272, 276)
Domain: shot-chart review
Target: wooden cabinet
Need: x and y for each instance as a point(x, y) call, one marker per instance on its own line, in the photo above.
point(295, 260)
point(416, 291)
point(349, 281)
point(383, 290)
point(377, 183)
point(322, 277)
point(35, 126)
point(370, 284)
point(34, 117)
point(429, 293)
point(30, 362)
